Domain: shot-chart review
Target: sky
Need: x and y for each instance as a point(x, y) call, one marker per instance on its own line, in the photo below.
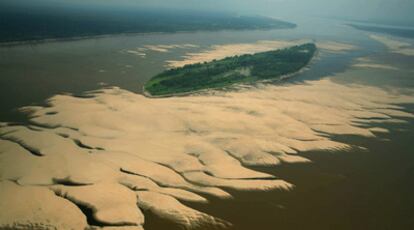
point(392, 11)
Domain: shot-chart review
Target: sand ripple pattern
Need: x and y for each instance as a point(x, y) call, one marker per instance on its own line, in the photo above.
point(114, 153)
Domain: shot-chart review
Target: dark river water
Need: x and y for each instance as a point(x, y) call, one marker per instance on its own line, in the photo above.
point(353, 189)
point(32, 73)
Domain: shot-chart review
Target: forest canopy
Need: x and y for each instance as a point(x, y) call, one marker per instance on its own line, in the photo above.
point(238, 69)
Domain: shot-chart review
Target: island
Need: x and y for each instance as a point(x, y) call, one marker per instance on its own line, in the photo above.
point(405, 32)
point(248, 68)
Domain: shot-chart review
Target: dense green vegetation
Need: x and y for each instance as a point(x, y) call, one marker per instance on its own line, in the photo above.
point(238, 69)
point(20, 24)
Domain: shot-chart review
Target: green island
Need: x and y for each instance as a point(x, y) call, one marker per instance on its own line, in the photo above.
point(246, 68)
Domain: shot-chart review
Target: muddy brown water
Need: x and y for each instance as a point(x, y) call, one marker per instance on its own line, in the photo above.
point(353, 189)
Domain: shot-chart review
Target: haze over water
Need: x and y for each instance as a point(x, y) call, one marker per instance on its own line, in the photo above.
point(77, 66)
point(350, 113)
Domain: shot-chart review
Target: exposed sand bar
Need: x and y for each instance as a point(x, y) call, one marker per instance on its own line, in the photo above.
point(222, 51)
point(116, 149)
point(394, 45)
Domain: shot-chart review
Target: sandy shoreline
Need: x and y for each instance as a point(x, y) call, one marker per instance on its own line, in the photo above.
point(156, 153)
point(236, 85)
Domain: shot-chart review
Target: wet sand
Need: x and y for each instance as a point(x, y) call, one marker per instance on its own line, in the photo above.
point(355, 189)
point(343, 188)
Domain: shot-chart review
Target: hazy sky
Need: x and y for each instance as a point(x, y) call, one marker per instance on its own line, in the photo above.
point(380, 10)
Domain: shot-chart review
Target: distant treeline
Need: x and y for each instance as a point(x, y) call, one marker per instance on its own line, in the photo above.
point(33, 24)
point(238, 69)
point(396, 31)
